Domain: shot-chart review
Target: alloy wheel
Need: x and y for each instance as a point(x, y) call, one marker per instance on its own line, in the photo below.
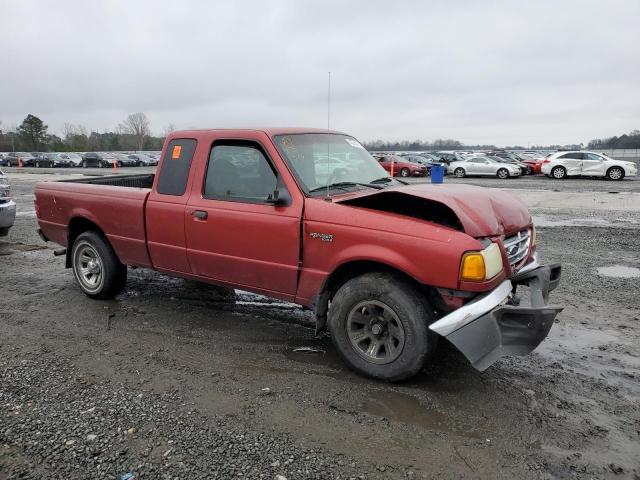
point(375, 332)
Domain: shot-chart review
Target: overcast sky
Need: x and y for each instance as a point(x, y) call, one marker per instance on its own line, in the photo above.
point(482, 72)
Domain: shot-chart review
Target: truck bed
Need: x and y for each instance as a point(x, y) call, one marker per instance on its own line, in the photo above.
point(132, 181)
point(115, 204)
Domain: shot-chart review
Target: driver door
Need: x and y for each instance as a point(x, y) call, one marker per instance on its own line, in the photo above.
point(233, 234)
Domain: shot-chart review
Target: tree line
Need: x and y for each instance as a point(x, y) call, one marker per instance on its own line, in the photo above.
point(630, 140)
point(32, 135)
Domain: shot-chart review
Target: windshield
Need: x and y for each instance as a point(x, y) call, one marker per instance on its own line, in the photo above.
point(319, 159)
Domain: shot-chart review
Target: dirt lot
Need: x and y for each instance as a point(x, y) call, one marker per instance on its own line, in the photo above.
point(171, 381)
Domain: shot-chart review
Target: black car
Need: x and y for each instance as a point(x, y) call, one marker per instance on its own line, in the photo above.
point(93, 159)
point(11, 159)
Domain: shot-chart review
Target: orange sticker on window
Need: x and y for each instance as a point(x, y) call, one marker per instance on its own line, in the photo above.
point(176, 152)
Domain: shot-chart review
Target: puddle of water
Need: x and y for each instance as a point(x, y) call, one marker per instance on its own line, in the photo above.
point(408, 409)
point(619, 271)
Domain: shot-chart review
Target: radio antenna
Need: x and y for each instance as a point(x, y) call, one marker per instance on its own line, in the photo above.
point(328, 198)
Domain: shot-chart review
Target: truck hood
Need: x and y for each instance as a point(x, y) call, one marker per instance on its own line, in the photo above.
point(478, 211)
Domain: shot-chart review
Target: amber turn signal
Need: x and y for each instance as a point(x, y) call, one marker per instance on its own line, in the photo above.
point(472, 267)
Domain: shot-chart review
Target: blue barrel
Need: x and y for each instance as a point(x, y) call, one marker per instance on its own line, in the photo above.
point(437, 174)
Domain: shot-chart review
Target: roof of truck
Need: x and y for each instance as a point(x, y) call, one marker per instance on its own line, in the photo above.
point(271, 131)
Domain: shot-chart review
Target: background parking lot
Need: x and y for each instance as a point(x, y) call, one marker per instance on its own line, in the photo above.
point(170, 379)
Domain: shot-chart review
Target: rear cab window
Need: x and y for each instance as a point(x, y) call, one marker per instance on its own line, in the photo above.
point(176, 165)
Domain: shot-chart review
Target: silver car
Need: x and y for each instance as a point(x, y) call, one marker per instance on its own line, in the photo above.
point(7, 206)
point(485, 167)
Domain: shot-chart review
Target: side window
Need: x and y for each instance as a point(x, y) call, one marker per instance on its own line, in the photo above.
point(593, 156)
point(239, 171)
point(572, 156)
point(176, 164)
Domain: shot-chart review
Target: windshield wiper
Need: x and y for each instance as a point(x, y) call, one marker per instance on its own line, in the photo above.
point(381, 180)
point(343, 185)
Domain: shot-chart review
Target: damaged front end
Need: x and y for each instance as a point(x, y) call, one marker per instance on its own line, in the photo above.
point(487, 329)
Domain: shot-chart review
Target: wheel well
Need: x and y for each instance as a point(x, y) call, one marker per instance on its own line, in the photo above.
point(350, 270)
point(78, 225)
point(616, 166)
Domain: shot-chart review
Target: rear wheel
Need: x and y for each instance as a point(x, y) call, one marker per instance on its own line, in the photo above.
point(459, 172)
point(503, 173)
point(379, 325)
point(84, 164)
point(404, 172)
point(615, 173)
point(558, 172)
point(96, 267)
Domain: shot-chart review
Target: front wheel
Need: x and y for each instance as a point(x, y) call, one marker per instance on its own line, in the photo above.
point(404, 172)
point(459, 172)
point(615, 173)
point(84, 164)
point(379, 325)
point(96, 267)
point(503, 173)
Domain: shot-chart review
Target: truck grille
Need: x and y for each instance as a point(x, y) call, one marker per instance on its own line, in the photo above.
point(517, 247)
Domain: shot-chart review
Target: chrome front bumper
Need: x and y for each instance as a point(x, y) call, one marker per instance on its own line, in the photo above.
point(7, 214)
point(486, 329)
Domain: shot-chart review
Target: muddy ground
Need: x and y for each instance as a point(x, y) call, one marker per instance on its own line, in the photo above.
point(170, 381)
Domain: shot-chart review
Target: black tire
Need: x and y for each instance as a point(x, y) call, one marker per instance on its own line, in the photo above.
point(412, 315)
point(37, 164)
point(405, 172)
point(83, 164)
point(502, 173)
point(112, 274)
point(4, 231)
point(459, 172)
point(558, 173)
point(615, 173)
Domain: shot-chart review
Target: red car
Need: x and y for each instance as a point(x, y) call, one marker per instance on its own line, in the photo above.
point(534, 163)
point(386, 267)
point(398, 166)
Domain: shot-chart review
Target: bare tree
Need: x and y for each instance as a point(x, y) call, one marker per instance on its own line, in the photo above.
point(168, 129)
point(137, 125)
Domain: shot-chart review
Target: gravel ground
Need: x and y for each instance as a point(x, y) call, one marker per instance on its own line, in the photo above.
point(170, 380)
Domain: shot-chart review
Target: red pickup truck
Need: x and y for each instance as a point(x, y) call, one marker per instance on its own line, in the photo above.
point(387, 267)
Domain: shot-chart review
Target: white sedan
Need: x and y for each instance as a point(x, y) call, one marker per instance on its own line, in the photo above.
point(484, 166)
point(587, 164)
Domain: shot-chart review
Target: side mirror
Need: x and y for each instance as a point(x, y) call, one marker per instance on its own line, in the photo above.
point(279, 198)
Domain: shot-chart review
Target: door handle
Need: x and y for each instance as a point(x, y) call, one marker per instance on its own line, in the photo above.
point(200, 214)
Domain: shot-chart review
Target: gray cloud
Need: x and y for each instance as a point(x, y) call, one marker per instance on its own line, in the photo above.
point(501, 72)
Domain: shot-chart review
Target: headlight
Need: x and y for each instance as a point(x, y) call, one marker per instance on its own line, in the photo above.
point(482, 265)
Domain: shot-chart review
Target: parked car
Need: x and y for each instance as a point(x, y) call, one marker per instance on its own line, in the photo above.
point(7, 206)
point(484, 166)
point(387, 267)
point(449, 156)
point(587, 164)
point(512, 158)
point(426, 160)
point(401, 167)
point(70, 159)
point(124, 160)
point(92, 159)
point(11, 159)
point(51, 159)
point(524, 168)
point(143, 160)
